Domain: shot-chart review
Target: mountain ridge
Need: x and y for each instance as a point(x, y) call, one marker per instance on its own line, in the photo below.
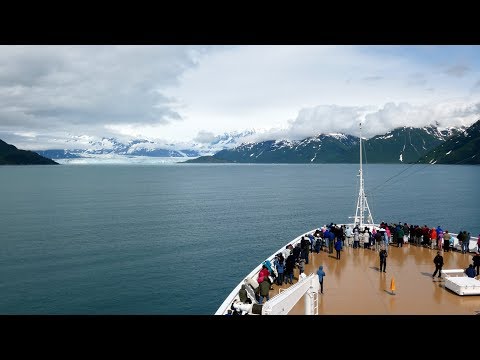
point(10, 155)
point(401, 145)
point(144, 147)
point(462, 148)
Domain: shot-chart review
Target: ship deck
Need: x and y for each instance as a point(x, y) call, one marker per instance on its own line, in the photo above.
point(354, 285)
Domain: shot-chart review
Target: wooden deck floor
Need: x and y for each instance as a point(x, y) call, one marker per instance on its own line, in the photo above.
point(354, 285)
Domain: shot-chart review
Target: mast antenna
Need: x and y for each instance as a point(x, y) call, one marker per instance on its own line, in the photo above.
point(362, 204)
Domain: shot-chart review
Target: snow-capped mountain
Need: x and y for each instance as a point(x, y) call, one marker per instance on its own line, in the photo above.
point(461, 148)
point(142, 147)
point(401, 145)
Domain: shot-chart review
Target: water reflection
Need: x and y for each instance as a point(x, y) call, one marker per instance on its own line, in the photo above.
point(382, 282)
point(438, 292)
point(392, 304)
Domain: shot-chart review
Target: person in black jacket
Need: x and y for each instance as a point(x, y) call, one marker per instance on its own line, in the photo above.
point(383, 259)
point(476, 262)
point(438, 261)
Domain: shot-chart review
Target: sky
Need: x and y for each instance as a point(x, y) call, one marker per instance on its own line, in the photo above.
point(63, 96)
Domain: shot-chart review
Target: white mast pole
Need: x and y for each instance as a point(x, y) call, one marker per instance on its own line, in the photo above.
point(361, 181)
point(362, 204)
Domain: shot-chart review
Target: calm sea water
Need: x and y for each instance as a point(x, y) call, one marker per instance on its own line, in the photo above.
point(176, 239)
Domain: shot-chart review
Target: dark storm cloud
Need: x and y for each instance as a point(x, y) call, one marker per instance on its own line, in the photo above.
point(71, 85)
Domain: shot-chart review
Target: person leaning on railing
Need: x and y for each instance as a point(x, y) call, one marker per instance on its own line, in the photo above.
point(446, 241)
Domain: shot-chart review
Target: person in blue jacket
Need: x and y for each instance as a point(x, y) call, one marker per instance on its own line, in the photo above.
point(338, 247)
point(321, 275)
point(470, 271)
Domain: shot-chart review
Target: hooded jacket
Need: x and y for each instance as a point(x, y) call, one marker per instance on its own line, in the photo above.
point(320, 273)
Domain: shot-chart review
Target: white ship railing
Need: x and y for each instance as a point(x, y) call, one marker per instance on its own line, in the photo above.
point(282, 303)
point(226, 305)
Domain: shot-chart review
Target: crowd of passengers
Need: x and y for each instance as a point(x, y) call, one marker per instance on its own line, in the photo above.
point(328, 238)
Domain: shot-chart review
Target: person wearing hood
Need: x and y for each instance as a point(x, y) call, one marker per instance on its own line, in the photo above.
point(470, 271)
point(321, 275)
point(243, 295)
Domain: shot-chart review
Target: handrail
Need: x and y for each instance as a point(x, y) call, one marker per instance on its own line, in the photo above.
point(282, 303)
point(222, 310)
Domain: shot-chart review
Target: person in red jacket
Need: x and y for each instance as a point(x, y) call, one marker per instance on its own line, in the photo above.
point(433, 237)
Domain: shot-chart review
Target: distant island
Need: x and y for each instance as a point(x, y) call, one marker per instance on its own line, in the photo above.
point(10, 155)
point(207, 160)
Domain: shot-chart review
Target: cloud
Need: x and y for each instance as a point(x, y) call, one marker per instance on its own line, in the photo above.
point(457, 70)
point(466, 110)
point(46, 87)
point(445, 114)
point(204, 137)
point(417, 79)
point(345, 119)
point(60, 96)
point(326, 119)
point(373, 78)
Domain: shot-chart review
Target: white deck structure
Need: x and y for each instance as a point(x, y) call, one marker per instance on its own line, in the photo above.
point(458, 282)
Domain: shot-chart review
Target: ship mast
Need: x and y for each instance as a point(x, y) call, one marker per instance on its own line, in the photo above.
point(362, 204)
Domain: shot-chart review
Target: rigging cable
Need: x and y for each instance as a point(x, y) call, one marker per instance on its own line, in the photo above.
point(397, 175)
